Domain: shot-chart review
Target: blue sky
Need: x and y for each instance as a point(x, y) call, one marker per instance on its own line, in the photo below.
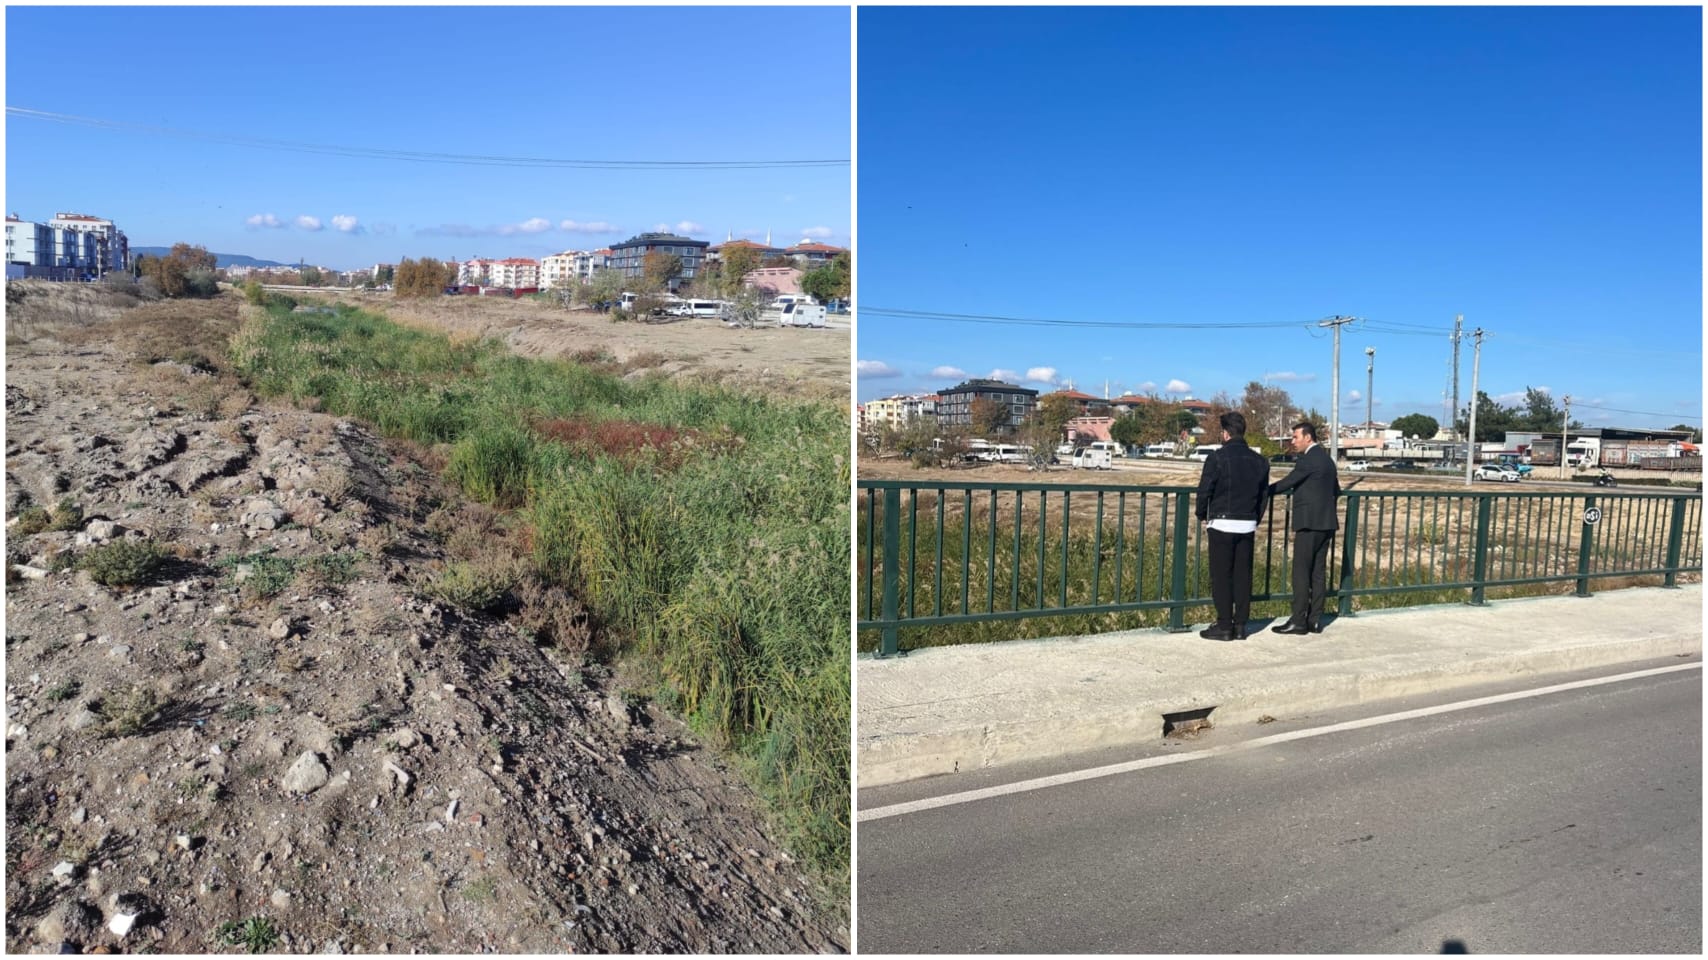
point(1536, 170)
point(675, 84)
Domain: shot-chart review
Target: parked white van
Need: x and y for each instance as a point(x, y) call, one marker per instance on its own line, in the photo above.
point(1160, 450)
point(697, 308)
point(1203, 453)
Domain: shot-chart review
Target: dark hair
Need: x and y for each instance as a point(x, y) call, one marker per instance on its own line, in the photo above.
point(1234, 423)
point(1308, 427)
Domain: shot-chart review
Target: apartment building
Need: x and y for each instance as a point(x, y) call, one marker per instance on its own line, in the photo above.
point(516, 273)
point(811, 254)
point(630, 255)
point(111, 246)
point(572, 266)
point(474, 272)
point(955, 405)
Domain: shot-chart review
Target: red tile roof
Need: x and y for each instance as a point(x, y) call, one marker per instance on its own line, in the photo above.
point(1072, 395)
point(813, 248)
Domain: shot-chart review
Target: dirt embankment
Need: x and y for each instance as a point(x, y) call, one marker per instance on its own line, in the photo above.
point(275, 740)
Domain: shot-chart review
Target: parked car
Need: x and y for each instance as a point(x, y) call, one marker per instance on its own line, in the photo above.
point(1403, 465)
point(1358, 466)
point(1203, 453)
point(1496, 471)
point(1284, 458)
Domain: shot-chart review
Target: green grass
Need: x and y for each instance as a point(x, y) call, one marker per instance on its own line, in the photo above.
point(717, 561)
point(257, 934)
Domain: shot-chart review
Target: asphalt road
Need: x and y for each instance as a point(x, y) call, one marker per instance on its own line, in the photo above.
point(1567, 823)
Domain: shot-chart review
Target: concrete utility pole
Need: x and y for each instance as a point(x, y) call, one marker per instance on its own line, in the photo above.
point(1471, 437)
point(1335, 322)
point(1565, 427)
point(1370, 392)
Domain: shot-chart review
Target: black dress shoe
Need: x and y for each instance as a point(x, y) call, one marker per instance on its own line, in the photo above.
point(1239, 631)
point(1315, 628)
point(1217, 632)
point(1292, 628)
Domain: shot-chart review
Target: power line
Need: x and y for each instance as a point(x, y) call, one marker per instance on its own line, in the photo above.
point(417, 156)
point(1639, 413)
point(1042, 322)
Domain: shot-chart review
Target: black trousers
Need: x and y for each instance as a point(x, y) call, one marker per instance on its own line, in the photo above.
point(1230, 575)
point(1310, 574)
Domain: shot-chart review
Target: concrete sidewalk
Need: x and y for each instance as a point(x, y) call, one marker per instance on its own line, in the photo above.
point(945, 709)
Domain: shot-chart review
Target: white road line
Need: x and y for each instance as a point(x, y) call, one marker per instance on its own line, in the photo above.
point(1076, 776)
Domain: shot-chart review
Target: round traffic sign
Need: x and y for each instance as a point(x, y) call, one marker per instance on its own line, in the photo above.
point(1592, 515)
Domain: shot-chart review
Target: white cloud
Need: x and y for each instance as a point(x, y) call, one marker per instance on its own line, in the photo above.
point(307, 222)
point(346, 223)
point(817, 233)
point(949, 373)
point(1042, 375)
point(876, 370)
point(1149, 386)
point(1353, 396)
point(1288, 376)
point(1011, 376)
point(1508, 399)
point(690, 227)
point(531, 225)
point(264, 220)
point(1177, 386)
point(595, 226)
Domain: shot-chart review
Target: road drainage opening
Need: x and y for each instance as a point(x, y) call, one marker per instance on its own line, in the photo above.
point(1186, 723)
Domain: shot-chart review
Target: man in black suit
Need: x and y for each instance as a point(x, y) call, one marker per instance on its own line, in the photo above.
point(1231, 496)
point(1317, 483)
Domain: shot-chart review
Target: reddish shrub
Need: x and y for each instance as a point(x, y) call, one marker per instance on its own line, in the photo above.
point(623, 440)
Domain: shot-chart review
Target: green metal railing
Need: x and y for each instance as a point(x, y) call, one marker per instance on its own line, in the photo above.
point(941, 554)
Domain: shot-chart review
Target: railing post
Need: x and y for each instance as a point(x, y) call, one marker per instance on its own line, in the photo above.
point(1347, 550)
point(1675, 540)
point(1177, 612)
point(1480, 552)
point(1585, 544)
point(891, 643)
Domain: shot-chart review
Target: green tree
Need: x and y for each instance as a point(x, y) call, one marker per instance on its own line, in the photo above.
point(822, 283)
point(1539, 412)
point(1420, 425)
point(988, 416)
point(312, 277)
point(1128, 430)
point(1695, 432)
point(1493, 419)
point(737, 262)
point(421, 278)
point(1052, 414)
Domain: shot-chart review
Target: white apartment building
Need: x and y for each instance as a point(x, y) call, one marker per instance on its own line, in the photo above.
point(895, 411)
point(515, 273)
point(558, 270)
point(473, 272)
point(112, 247)
point(30, 243)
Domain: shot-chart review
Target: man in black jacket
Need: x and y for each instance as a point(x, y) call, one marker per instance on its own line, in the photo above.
point(1317, 483)
point(1231, 495)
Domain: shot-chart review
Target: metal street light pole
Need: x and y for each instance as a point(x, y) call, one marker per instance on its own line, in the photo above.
point(1370, 391)
point(1471, 439)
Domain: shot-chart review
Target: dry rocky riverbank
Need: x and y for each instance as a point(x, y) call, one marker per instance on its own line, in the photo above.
point(280, 740)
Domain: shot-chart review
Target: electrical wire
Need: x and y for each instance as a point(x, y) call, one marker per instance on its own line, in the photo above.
point(1639, 413)
point(900, 314)
point(416, 156)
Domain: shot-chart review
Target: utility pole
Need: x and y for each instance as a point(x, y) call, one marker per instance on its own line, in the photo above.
point(1369, 392)
point(1471, 437)
point(1458, 334)
point(1335, 322)
point(1565, 427)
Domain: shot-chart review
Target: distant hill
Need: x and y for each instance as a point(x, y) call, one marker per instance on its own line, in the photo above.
point(223, 259)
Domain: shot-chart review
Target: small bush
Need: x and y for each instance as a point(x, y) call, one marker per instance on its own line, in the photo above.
point(68, 516)
point(33, 520)
point(128, 713)
point(123, 563)
point(472, 586)
point(492, 465)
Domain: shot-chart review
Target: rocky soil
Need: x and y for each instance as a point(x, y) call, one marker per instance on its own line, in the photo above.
point(278, 742)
